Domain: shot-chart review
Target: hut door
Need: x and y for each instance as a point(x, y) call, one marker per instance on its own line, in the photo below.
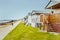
point(41, 19)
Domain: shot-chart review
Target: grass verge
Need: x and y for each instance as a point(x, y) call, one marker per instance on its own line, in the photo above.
point(23, 32)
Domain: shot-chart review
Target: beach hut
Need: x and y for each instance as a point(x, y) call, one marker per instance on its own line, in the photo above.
point(37, 19)
point(28, 19)
point(56, 24)
point(34, 19)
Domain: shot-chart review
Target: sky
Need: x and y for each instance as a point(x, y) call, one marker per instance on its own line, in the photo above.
point(17, 9)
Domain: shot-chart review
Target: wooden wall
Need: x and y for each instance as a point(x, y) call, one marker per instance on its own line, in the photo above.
point(55, 19)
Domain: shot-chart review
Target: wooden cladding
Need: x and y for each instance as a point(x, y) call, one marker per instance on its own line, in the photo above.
point(41, 18)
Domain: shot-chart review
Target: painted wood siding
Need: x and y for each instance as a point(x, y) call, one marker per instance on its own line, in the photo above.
point(41, 18)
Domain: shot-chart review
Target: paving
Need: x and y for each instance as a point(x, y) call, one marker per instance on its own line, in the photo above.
point(4, 31)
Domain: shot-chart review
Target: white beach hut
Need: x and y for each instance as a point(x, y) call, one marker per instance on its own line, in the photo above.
point(34, 19)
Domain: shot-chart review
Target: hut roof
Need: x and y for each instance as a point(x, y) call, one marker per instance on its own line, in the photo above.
point(56, 6)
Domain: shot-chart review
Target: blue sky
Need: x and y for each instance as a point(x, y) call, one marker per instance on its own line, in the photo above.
point(16, 9)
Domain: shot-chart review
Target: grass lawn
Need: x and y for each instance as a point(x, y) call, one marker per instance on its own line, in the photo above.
point(23, 32)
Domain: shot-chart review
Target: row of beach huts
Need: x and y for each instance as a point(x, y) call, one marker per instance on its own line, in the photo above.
point(49, 21)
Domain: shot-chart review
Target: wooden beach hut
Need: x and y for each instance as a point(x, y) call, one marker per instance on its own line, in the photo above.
point(55, 21)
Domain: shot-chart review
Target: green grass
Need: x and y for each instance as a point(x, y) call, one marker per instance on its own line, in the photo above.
point(23, 32)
